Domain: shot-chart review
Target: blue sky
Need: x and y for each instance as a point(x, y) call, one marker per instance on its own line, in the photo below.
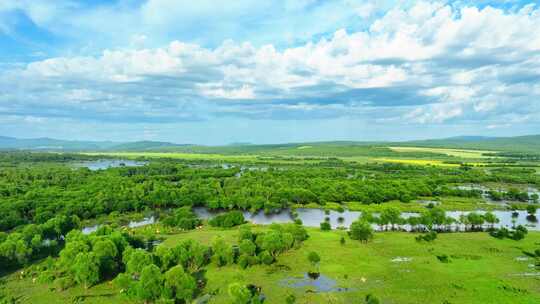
point(215, 72)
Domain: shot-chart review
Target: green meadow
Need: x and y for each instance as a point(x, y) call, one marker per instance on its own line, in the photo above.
point(393, 266)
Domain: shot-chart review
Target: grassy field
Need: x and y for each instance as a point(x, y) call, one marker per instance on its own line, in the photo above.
point(421, 162)
point(266, 159)
point(450, 152)
point(393, 266)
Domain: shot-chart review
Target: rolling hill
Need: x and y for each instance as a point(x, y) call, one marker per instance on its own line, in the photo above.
point(526, 144)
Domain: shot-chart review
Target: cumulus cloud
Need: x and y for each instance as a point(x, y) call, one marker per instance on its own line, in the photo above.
point(427, 63)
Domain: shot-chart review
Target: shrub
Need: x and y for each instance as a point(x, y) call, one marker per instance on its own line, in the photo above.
point(371, 299)
point(427, 237)
point(519, 233)
point(443, 258)
point(325, 226)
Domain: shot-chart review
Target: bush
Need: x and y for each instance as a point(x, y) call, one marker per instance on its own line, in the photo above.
point(427, 237)
point(227, 220)
point(519, 233)
point(371, 299)
point(500, 233)
point(443, 258)
point(361, 230)
point(325, 226)
point(63, 283)
point(516, 234)
point(290, 299)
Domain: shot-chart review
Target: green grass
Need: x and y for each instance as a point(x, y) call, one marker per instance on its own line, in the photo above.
point(482, 270)
point(450, 152)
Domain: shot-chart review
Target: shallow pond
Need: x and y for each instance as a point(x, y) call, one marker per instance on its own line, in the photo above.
point(102, 164)
point(319, 283)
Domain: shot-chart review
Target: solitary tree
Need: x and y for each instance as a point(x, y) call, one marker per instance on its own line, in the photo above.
point(361, 230)
point(314, 259)
point(325, 226)
point(531, 210)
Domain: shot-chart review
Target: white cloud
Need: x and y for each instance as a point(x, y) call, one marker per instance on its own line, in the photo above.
point(435, 64)
point(217, 91)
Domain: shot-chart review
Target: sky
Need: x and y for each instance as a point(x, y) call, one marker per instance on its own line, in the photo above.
point(217, 72)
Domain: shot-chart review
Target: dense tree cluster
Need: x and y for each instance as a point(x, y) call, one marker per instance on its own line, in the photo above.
point(512, 194)
point(432, 219)
point(168, 274)
point(34, 240)
point(183, 218)
point(228, 219)
point(35, 194)
point(265, 247)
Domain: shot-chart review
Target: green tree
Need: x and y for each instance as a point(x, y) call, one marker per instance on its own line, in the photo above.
point(391, 216)
point(247, 247)
point(491, 219)
point(325, 226)
point(361, 230)
point(272, 243)
point(149, 287)
point(239, 294)
point(106, 253)
point(137, 260)
point(86, 269)
point(179, 284)
point(314, 258)
point(531, 210)
point(222, 253)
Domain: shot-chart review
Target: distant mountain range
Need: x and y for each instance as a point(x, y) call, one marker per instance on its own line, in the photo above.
point(529, 143)
point(51, 144)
